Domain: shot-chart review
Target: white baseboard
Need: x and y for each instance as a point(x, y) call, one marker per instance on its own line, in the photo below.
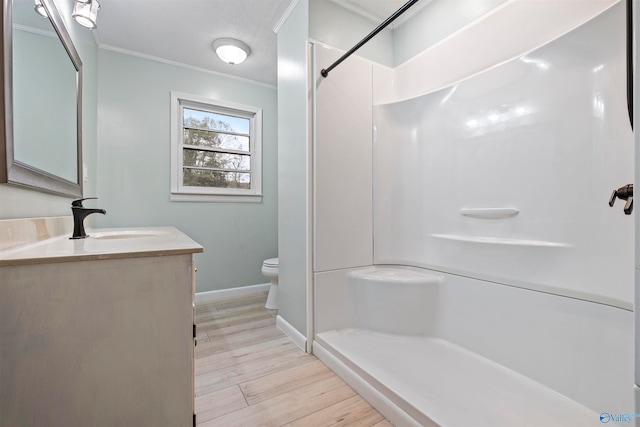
point(224, 294)
point(299, 339)
point(383, 404)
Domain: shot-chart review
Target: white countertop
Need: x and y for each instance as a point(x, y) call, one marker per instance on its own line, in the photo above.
point(107, 243)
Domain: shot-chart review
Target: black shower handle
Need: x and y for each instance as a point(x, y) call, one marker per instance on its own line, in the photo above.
point(623, 193)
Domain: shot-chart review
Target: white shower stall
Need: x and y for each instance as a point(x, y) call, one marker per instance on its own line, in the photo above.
point(468, 269)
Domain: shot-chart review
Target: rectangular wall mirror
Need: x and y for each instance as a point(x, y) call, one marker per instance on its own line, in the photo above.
point(41, 138)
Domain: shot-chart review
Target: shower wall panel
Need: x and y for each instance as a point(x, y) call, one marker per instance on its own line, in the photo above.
point(515, 27)
point(343, 215)
point(506, 175)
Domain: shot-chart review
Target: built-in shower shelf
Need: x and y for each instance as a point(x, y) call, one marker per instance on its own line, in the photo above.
point(501, 241)
point(489, 213)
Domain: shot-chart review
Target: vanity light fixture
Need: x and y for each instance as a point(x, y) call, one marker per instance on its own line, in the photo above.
point(85, 13)
point(231, 51)
point(40, 10)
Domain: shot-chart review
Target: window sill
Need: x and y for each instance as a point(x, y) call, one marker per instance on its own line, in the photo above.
point(225, 198)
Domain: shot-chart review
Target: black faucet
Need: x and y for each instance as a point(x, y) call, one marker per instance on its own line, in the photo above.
point(79, 214)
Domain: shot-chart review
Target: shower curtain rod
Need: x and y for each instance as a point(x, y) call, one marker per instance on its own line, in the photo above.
point(389, 20)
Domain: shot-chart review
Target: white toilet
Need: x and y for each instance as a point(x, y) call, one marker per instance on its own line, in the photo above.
point(270, 270)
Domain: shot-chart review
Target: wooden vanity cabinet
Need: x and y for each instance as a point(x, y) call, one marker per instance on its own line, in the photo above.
point(100, 342)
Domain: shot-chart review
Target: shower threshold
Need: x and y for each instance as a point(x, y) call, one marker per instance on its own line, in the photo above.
point(436, 382)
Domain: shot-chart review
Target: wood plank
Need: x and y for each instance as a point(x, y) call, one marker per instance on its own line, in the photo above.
point(229, 306)
point(245, 354)
point(235, 316)
point(383, 423)
point(243, 372)
point(283, 381)
point(205, 308)
point(287, 407)
point(232, 326)
point(260, 299)
point(201, 337)
point(350, 412)
point(220, 313)
point(219, 403)
point(222, 344)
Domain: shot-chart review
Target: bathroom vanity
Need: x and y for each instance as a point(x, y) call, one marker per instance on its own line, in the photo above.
point(98, 331)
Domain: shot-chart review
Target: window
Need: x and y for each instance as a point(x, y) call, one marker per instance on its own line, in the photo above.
point(215, 150)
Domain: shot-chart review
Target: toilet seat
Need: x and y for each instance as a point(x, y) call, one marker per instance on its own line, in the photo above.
point(271, 262)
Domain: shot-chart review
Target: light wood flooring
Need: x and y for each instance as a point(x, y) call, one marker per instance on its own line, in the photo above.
point(248, 373)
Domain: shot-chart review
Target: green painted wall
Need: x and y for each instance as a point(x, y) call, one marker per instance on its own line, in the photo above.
point(134, 166)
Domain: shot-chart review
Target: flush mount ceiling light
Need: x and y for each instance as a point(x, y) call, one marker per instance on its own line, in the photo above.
point(231, 51)
point(39, 8)
point(85, 13)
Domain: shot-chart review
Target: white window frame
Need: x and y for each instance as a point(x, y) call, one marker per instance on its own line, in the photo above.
point(180, 192)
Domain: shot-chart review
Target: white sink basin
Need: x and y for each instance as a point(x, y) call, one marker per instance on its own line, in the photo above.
point(126, 234)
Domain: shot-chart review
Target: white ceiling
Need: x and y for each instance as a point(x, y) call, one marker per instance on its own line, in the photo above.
point(182, 30)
